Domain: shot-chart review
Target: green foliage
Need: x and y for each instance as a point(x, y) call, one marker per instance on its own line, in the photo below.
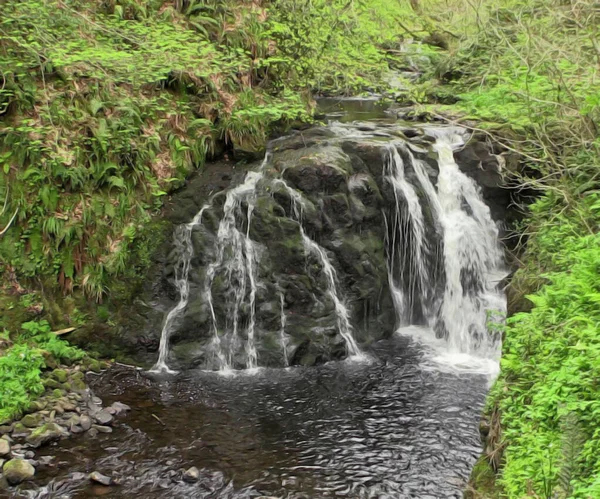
point(21, 366)
point(106, 106)
point(551, 361)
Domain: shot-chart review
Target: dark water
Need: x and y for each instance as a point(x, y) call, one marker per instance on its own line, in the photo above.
point(346, 110)
point(383, 429)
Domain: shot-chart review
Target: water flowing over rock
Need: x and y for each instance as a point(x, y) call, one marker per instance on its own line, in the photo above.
point(342, 234)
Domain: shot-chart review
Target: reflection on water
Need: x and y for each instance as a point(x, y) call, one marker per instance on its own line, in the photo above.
point(387, 428)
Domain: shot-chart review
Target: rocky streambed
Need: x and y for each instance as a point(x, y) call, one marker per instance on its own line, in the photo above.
point(68, 409)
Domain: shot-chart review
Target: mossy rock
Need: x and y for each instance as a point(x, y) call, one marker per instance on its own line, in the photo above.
point(17, 471)
point(46, 433)
point(32, 420)
point(60, 375)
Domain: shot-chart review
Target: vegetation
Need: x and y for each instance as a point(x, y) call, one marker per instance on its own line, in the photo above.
point(21, 366)
point(107, 105)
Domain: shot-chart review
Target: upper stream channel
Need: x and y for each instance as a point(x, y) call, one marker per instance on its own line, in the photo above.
point(293, 378)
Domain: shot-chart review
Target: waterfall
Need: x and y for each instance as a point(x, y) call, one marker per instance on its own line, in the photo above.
point(469, 260)
point(472, 257)
point(185, 251)
point(441, 248)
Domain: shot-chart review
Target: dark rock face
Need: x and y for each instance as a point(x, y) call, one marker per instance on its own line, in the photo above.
point(346, 199)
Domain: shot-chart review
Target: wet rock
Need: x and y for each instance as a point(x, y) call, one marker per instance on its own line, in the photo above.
point(4, 448)
point(98, 477)
point(191, 475)
point(119, 407)
point(92, 432)
point(102, 429)
point(85, 422)
point(103, 417)
point(17, 471)
point(77, 476)
point(46, 433)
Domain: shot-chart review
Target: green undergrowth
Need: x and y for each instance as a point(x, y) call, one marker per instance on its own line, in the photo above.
point(35, 349)
point(106, 106)
point(526, 73)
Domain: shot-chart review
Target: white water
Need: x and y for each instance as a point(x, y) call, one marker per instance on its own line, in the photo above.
point(415, 252)
point(183, 244)
point(471, 259)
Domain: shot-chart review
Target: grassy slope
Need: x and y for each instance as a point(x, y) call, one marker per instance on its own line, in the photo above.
point(528, 71)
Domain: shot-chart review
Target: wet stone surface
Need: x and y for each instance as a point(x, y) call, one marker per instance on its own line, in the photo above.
point(387, 428)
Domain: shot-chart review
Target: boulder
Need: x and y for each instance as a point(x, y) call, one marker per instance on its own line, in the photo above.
point(17, 471)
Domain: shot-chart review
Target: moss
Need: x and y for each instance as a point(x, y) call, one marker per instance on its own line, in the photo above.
point(59, 375)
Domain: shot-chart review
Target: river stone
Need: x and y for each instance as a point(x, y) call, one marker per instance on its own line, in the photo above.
point(120, 407)
point(46, 433)
point(102, 429)
point(17, 471)
point(191, 475)
point(4, 448)
point(98, 477)
point(19, 430)
point(85, 422)
point(103, 417)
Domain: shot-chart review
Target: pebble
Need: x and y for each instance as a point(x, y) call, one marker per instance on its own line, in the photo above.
point(85, 422)
point(191, 475)
point(4, 448)
point(77, 476)
point(103, 417)
point(102, 429)
point(98, 477)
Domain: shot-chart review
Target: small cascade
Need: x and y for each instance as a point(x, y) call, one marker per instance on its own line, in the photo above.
point(283, 322)
point(473, 260)
point(407, 258)
point(185, 251)
point(311, 247)
point(236, 261)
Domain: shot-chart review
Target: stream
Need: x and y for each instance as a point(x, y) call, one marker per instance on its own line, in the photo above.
point(398, 418)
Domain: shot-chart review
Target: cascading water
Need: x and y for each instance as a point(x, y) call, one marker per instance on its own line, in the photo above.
point(237, 256)
point(472, 257)
point(443, 258)
point(183, 244)
point(470, 260)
